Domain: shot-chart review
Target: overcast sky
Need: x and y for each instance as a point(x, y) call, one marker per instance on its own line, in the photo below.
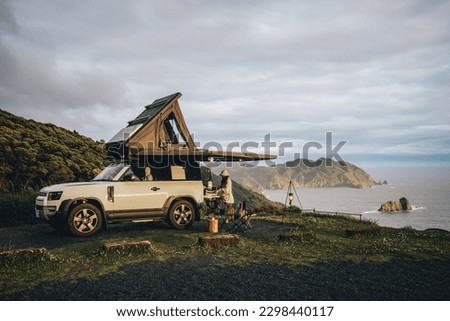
point(375, 73)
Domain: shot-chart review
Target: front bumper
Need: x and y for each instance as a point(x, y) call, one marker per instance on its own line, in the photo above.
point(45, 212)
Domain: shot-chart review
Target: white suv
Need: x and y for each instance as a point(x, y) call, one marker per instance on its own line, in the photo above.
point(120, 193)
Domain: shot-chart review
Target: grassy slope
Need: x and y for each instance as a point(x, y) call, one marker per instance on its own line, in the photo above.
point(325, 242)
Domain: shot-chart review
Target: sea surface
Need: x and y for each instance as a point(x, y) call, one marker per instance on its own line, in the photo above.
point(430, 199)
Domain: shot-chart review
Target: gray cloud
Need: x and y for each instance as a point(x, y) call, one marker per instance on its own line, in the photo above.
point(374, 73)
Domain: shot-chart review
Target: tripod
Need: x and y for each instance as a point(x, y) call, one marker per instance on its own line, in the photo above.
point(290, 197)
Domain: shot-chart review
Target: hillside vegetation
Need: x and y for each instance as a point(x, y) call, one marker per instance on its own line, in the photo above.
point(33, 154)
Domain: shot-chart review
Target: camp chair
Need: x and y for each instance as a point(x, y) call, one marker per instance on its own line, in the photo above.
point(244, 221)
point(241, 220)
point(228, 216)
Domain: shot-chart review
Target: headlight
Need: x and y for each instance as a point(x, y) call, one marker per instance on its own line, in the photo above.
point(54, 196)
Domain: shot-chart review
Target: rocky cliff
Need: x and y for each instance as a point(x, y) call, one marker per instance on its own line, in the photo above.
point(302, 173)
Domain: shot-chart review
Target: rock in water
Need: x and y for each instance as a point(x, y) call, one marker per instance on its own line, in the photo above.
point(388, 207)
point(406, 206)
point(395, 206)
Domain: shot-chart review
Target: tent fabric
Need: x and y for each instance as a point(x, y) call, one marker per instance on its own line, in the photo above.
point(154, 135)
point(161, 130)
point(153, 129)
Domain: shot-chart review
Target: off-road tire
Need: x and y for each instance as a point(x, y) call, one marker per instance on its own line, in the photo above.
point(85, 220)
point(181, 215)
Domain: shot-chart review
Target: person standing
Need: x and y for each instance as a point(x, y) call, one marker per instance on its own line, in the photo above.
point(226, 190)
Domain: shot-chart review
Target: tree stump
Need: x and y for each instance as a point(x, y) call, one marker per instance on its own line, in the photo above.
point(28, 255)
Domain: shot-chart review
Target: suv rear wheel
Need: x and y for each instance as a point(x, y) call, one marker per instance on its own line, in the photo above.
point(181, 214)
point(85, 220)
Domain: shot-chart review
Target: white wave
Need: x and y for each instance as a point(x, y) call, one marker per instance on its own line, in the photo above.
point(414, 208)
point(370, 212)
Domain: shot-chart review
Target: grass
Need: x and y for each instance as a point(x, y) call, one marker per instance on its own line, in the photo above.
point(330, 242)
point(326, 241)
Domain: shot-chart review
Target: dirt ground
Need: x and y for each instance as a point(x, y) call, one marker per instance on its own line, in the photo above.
point(206, 278)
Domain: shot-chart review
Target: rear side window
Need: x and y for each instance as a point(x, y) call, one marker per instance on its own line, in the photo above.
point(168, 169)
point(178, 173)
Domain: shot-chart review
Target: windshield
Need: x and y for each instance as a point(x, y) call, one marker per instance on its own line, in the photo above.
point(109, 172)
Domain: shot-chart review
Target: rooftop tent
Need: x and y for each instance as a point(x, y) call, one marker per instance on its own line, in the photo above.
point(160, 127)
point(160, 130)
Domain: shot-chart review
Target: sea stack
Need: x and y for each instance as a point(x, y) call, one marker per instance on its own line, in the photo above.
point(395, 206)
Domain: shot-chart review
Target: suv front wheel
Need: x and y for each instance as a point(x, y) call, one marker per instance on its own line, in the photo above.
point(85, 220)
point(181, 214)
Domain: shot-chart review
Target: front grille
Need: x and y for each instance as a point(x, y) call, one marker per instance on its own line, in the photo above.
point(39, 207)
point(42, 194)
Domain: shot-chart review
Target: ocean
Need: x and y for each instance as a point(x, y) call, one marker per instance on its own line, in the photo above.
point(428, 193)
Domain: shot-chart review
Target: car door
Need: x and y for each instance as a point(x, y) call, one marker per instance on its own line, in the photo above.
point(135, 196)
point(138, 196)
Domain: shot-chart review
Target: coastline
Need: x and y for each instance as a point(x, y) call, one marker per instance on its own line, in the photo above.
point(430, 203)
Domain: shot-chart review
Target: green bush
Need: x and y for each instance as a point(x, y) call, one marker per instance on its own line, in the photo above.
point(34, 155)
point(17, 208)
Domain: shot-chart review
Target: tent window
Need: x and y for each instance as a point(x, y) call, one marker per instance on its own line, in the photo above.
point(173, 131)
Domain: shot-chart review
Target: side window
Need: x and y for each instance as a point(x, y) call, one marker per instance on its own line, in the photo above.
point(129, 176)
point(178, 172)
point(167, 169)
point(161, 173)
point(193, 172)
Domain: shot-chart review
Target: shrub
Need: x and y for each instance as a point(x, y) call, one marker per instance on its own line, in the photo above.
point(17, 208)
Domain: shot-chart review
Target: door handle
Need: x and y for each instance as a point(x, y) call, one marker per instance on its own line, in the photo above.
point(154, 189)
point(110, 193)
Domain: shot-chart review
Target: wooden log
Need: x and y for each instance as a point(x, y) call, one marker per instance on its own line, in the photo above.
point(219, 240)
point(25, 252)
point(28, 255)
point(127, 246)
